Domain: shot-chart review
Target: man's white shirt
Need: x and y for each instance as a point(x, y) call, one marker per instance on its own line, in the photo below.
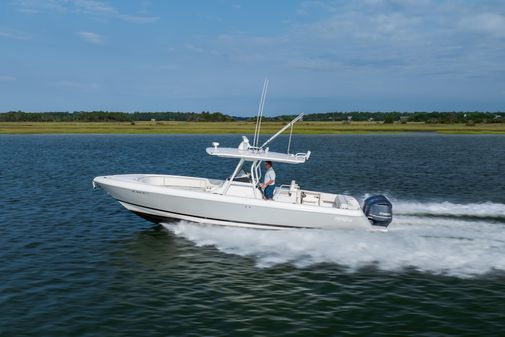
point(270, 175)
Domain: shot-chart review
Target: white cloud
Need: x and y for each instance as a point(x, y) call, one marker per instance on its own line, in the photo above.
point(14, 35)
point(398, 38)
point(102, 8)
point(486, 23)
point(89, 7)
point(36, 6)
point(194, 48)
point(7, 78)
point(66, 84)
point(91, 37)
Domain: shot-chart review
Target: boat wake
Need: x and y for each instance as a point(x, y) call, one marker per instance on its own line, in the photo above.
point(487, 210)
point(463, 240)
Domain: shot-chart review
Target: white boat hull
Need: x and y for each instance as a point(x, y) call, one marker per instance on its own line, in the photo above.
point(164, 203)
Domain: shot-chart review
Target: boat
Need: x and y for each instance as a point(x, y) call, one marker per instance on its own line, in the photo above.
point(238, 200)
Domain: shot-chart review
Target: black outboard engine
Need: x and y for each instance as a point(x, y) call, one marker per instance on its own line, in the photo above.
point(379, 210)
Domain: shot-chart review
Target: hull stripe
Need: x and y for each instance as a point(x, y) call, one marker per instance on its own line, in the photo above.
point(207, 218)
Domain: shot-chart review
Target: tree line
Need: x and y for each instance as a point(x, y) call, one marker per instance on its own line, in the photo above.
point(110, 116)
point(391, 117)
point(205, 116)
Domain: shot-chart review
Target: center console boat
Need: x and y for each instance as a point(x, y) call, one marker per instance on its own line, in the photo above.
point(238, 200)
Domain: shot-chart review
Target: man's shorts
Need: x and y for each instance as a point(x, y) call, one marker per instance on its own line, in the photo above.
point(269, 191)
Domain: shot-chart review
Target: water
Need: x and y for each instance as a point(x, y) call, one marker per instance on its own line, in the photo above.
point(73, 262)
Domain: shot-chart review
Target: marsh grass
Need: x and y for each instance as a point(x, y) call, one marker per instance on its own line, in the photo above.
point(169, 127)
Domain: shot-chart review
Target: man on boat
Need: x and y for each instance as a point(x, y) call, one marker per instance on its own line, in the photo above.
point(268, 185)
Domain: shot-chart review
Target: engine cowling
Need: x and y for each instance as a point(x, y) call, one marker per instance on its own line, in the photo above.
point(379, 210)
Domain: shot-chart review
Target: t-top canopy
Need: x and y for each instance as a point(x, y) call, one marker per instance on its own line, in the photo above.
point(250, 153)
point(255, 155)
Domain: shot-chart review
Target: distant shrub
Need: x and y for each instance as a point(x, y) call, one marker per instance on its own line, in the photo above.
point(389, 119)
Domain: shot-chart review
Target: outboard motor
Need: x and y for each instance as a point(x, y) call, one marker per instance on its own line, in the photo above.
point(379, 210)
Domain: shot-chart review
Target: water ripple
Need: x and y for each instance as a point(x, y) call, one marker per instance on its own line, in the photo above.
point(75, 263)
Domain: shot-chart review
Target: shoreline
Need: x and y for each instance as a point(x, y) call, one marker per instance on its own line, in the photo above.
point(303, 128)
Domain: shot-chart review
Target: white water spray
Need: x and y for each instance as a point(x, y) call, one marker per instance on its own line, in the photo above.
point(431, 237)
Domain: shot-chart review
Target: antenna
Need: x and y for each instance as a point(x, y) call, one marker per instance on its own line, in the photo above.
point(259, 116)
point(290, 124)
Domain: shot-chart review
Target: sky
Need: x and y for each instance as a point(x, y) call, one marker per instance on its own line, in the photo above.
point(319, 56)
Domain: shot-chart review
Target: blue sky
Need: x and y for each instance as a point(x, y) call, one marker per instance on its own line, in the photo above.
point(369, 55)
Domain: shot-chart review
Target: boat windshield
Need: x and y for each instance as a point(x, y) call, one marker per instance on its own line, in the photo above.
point(243, 177)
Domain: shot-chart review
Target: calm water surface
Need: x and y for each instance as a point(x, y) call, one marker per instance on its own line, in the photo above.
point(73, 262)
